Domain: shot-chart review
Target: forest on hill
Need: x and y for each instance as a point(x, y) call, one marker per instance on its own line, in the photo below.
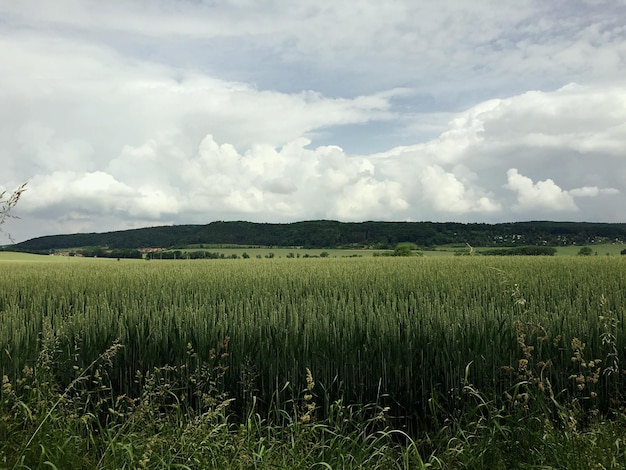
point(333, 234)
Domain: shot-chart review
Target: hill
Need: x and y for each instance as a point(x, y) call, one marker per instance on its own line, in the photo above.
point(329, 234)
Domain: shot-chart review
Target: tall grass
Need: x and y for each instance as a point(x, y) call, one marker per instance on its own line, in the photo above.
point(398, 332)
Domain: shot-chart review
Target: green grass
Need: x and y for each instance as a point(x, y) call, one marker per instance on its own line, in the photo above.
point(604, 249)
point(477, 359)
point(43, 425)
point(286, 252)
point(13, 256)
point(27, 257)
point(295, 252)
point(379, 315)
point(263, 252)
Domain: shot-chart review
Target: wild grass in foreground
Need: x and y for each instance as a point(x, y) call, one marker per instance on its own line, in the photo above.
point(401, 330)
point(182, 418)
point(414, 363)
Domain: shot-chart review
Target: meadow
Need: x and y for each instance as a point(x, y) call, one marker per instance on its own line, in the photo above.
point(388, 353)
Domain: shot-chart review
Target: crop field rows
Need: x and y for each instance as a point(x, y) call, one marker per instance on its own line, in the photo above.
point(395, 330)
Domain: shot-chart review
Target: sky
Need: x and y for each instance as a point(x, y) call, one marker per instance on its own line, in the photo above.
point(127, 113)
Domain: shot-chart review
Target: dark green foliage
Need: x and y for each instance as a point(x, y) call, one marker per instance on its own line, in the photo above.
point(197, 254)
point(522, 251)
point(331, 234)
point(402, 250)
point(116, 253)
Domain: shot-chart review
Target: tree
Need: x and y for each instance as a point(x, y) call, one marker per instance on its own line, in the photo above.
point(8, 203)
point(402, 250)
point(585, 251)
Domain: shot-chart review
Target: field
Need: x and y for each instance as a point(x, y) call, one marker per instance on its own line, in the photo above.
point(402, 348)
point(606, 249)
point(13, 257)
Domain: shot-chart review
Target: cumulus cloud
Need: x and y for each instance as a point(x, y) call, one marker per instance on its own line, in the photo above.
point(541, 195)
point(546, 195)
point(122, 115)
point(453, 177)
point(464, 174)
point(448, 194)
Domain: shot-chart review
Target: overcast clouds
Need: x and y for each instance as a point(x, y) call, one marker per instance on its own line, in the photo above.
point(124, 114)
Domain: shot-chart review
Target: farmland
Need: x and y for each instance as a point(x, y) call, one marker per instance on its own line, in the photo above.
point(414, 339)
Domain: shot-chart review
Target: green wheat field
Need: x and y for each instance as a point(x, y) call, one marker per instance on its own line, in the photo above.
point(414, 339)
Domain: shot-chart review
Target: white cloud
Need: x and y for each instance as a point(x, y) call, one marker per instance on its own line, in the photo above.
point(547, 195)
point(450, 195)
point(89, 192)
point(452, 47)
point(121, 114)
point(593, 191)
point(541, 195)
point(451, 177)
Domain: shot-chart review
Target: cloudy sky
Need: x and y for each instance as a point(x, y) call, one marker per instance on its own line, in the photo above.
point(133, 113)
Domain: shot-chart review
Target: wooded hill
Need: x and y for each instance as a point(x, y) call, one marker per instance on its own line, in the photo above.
point(332, 234)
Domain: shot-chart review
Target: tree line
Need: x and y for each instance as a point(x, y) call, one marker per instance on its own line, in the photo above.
point(333, 234)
